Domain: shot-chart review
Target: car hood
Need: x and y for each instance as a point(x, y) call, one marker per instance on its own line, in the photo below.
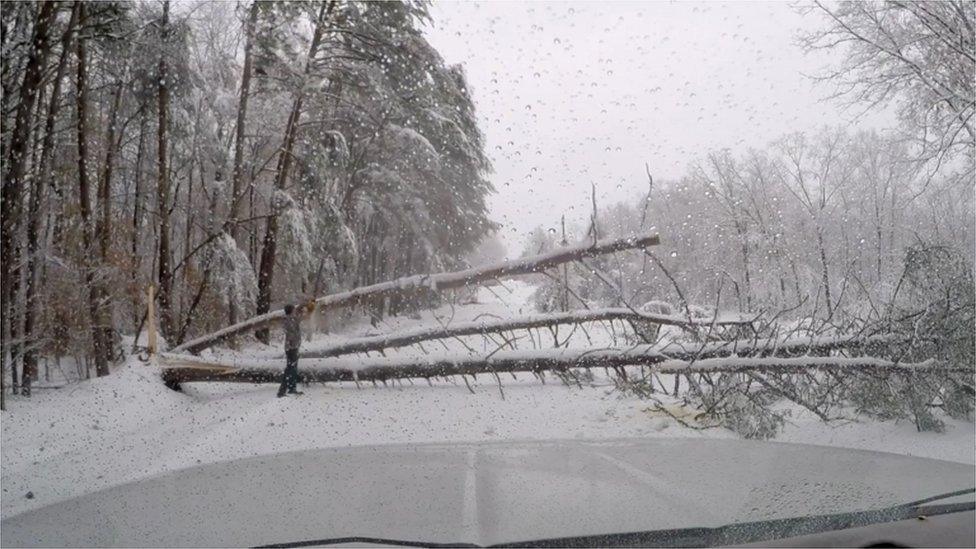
point(485, 493)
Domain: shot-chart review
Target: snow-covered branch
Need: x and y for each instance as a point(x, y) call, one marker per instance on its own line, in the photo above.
point(443, 281)
point(418, 335)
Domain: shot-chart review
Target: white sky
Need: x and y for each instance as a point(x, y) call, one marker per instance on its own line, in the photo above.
point(574, 93)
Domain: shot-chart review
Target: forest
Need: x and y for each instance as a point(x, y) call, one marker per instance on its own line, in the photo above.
point(235, 157)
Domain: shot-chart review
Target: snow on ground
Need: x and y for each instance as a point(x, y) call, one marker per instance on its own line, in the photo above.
point(98, 433)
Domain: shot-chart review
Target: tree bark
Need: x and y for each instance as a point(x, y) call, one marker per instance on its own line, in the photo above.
point(37, 193)
point(413, 285)
point(103, 229)
point(824, 274)
point(12, 187)
point(101, 347)
point(747, 271)
point(269, 249)
point(180, 369)
point(237, 178)
point(17, 312)
point(13, 349)
point(164, 271)
point(237, 182)
point(137, 212)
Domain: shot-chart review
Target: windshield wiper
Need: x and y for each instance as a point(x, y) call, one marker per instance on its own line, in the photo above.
point(364, 539)
point(749, 532)
point(729, 534)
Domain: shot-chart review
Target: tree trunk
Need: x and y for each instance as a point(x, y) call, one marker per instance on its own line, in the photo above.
point(164, 270)
point(137, 222)
point(269, 249)
point(12, 188)
point(37, 192)
point(239, 136)
point(207, 270)
point(747, 271)
point(19, 344)
point(95, 297)
point(237, 182)
point(252, 235)
point(103, 228)
point(14, 347)
point(825, 276)
point(179, 369)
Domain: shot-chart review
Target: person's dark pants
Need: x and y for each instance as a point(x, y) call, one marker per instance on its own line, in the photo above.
point(289, 381)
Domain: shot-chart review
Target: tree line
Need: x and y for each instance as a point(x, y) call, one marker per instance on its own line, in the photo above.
point(818, 223)
point(827, 222)
point(234, 155)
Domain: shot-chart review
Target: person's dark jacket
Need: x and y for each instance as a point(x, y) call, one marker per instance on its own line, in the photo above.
point(293, 330)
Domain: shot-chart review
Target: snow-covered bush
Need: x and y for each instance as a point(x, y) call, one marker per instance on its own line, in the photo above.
point(727, 400)
point(552, 295)
point(232, 272)
point(933, 311)
point(750, 415)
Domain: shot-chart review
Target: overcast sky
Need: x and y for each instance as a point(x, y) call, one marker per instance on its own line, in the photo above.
point(574, 93)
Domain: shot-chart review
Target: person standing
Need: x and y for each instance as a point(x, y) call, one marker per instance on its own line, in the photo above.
point(293, 341)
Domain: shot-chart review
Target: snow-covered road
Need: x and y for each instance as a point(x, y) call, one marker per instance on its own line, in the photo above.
point(98, 433)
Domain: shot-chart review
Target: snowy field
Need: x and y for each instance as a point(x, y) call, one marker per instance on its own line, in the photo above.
point(102, 432)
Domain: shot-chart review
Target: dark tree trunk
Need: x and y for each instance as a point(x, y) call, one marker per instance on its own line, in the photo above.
point(37, 193)
point(747, 272)
point(269, 249)
point(95, 297)
point(137, 221)
point(103, 227)
point(164, 270)
point(11, 310)
point(237, 182)
point(12, 188)
point(824, 274)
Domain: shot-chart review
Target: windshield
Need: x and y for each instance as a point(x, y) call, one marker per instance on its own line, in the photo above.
point(430, 267)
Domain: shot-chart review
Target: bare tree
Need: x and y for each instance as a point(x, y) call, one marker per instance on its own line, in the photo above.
point(918, 55)
point(725, 183)
point(814, 173)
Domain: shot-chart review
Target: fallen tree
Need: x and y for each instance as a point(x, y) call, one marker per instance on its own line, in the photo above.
point(758, 355)
point(413, 285)
point(504, 363)
point(420, 335)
